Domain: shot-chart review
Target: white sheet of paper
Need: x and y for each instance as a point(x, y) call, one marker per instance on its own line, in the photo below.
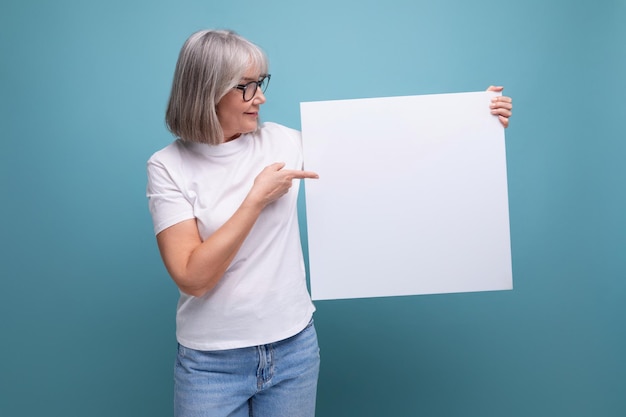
point(412, 196)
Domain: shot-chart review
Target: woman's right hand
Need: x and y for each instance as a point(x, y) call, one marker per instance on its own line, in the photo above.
point(274, 182)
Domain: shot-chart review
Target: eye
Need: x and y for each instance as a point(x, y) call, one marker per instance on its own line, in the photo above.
point(263, 82)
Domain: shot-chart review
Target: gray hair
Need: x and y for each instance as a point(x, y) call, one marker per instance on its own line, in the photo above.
point(210, 64)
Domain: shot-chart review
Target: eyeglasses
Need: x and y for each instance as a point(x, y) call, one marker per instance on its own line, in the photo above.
point(249, 89)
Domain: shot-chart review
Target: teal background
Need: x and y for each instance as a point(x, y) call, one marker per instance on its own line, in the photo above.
point(87, 309)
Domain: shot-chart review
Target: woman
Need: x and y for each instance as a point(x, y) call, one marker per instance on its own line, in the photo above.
point(224, 205)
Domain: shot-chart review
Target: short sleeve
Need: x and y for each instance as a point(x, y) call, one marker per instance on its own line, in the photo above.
point(168, 204)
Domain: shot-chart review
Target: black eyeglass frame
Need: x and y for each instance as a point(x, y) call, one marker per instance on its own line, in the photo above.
point(243, 87)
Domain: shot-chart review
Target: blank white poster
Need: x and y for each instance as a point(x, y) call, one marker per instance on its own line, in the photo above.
point(412, 196)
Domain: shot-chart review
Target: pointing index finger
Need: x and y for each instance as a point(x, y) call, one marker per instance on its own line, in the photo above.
point(294, 173)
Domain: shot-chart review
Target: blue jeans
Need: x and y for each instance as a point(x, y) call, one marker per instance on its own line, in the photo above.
point(274, 380)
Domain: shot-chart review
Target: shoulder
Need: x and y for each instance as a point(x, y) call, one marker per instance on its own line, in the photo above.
point(271, 128)
point(172, 150)
point(279, 135)
point(279, 142)
point(172, 154)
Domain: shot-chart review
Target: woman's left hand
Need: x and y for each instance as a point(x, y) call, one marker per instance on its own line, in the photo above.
point(501, 106)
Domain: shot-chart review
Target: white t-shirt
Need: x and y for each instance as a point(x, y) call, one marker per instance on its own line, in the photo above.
point(262, 297)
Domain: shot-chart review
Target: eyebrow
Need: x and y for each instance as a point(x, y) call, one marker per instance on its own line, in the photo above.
point(254, 79)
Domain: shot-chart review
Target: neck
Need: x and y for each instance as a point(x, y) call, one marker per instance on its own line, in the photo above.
point(232, 137)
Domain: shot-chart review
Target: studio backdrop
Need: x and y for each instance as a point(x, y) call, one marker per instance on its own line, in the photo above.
point(87, 309)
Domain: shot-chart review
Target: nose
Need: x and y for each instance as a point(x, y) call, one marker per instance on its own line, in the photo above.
point(259, 97)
